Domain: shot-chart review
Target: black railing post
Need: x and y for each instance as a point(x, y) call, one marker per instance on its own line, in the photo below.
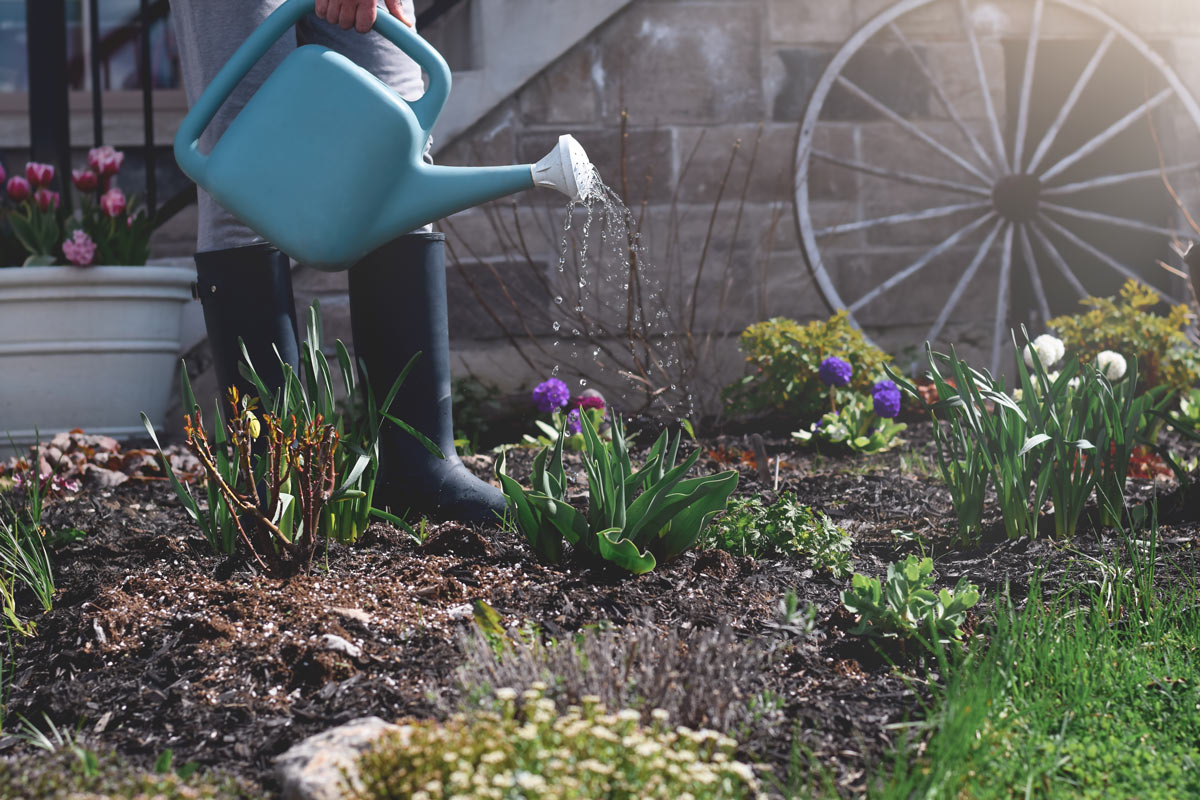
point(148, 110)
point(97, 87)
point(49, 117)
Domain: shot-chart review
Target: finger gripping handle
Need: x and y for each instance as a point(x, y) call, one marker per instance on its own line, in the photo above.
point(426, 108)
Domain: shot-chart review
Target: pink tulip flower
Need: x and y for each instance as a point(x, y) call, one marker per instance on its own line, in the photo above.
point(3, 175)
point(105, 161)
point(79, 249)
point(85, 180)
point(18, 188)
point(112, 202)
point(39, 174)
point(46, 199)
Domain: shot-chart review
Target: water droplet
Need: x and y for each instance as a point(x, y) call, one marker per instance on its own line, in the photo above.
point(557, 325)
point(558, 299)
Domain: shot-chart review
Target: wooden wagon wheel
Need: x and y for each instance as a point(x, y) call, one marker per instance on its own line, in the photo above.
point(1009, 190)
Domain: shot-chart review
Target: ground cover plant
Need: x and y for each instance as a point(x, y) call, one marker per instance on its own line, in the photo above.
point(753, 643)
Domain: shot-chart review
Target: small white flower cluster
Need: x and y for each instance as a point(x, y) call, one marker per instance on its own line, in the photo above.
point(1111, 365)
point(1048, 350)
point(529, 750)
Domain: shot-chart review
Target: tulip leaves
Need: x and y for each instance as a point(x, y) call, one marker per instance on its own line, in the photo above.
point(635, 518)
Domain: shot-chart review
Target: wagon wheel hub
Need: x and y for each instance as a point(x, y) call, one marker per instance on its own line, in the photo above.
point(1016, 197)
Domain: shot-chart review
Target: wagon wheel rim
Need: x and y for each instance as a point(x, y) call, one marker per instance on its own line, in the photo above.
point(1005, 177)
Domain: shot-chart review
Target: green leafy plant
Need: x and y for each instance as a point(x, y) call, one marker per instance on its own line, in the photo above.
point(1129, 326)
point(528, 749)
point(24, 560)
point(904, 606)
point(1059, 437)
point(784, 358)
point(785, 527)
point(855, 426)
point(635, 518)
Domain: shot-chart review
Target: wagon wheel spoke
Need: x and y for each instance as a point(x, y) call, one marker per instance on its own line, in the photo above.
point(961, 286)
point(1102, 256)
point(1060, 263)
point(981, 76)
point(902, 176)
point(1002, 298)
point(900, 219)
point(976, 145)
point(921, 262)
point(1027, 85)
point(1085, 78)
point(1119, 178)
point(1035, 277)
point(1107, 134)
point(909, 128)
point(1109, 219)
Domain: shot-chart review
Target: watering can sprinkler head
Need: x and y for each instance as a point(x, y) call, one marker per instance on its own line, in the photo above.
point(567, 169)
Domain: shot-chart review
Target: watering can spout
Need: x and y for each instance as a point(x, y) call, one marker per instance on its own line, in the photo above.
point(567, 169)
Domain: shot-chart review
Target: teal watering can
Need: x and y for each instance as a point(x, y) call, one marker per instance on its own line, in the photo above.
point(326, 162)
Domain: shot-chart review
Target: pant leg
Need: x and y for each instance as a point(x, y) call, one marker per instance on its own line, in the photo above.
point(208, 32)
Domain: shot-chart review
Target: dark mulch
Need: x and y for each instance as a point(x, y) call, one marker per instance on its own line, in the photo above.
point(152, 645)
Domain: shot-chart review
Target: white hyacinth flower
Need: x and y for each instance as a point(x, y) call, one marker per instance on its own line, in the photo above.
point(1048, 349)
point(1111, 364)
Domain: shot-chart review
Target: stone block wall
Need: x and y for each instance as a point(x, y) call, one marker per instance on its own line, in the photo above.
point(691, 109)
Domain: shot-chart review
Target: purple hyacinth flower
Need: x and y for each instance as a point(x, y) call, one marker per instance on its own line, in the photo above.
point(551, 395)
point(834, 372)
point(574, 424)
point(887, 399)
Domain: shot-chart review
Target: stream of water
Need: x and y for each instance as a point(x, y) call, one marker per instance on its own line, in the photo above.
point(611, 319)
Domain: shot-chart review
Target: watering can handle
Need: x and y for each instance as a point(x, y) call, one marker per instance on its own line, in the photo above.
point(426, 108)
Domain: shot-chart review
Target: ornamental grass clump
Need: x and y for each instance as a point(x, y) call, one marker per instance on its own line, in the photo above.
point(797, 369)
point(24, 560)
point(526, 749)
point(635, 518)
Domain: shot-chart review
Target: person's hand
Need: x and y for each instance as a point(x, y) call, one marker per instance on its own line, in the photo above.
point(357, 14)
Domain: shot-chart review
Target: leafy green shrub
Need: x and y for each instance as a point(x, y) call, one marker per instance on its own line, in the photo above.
point(529, 750)
point(784, 358)
point(786, 527)
point(635, 518)
point(1159, 344)
point(904, 606)
point(71, 773)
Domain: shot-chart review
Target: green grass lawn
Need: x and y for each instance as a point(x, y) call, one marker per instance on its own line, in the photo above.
point(1091, 694)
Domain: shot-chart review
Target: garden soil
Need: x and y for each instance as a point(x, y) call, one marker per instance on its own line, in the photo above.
point(156, 643)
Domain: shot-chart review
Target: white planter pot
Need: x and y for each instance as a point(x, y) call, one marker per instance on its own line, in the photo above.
point(87, 348)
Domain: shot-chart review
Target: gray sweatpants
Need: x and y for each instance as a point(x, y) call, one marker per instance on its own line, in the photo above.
point(208, 31)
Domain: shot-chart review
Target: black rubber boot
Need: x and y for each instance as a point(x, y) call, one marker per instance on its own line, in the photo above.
point(397, 308)
point(247, 292)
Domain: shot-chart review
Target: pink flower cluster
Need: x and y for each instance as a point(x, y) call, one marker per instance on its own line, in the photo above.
point(103, 163)
point(36, 183)
point(79, 249)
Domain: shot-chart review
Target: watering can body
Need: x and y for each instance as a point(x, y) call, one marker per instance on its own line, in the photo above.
point(325, 161)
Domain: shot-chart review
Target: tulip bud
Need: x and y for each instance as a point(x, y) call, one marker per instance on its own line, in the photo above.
point(105, 161)
point(112, 202)
point(18, 188)
point(85, 180)
point(39, 174)
point(46, 199)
